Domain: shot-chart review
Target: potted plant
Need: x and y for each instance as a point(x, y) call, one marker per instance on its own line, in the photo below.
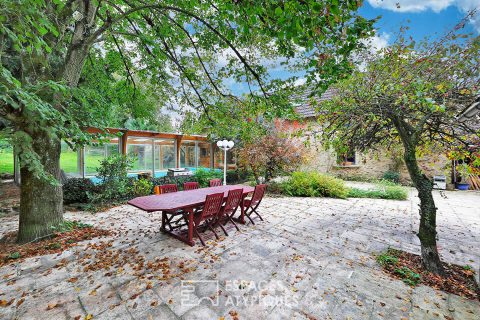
point(464, 171)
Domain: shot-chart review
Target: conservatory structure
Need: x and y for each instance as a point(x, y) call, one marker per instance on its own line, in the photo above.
point(153, 152)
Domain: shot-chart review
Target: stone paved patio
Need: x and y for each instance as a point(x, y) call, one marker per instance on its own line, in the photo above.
point(310, 259)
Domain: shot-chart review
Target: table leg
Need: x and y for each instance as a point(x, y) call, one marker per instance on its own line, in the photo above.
point(242, 211)
point(164, 219)
point(190, 227)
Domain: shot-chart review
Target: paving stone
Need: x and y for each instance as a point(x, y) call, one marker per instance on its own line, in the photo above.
point(312, 257)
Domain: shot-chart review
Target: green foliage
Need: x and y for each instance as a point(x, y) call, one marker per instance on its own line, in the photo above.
point(14, 256)
point(383, 190)
point(314, 184)
point(408, 276)
point(392, 176)
point(387, 259)
point(68, 226)
point(238, 176)
point(77, 190)
point(203, 176)
point(115, 184)
point(142, 187)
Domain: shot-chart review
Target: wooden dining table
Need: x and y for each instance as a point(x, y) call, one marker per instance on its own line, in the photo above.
point(185, 203)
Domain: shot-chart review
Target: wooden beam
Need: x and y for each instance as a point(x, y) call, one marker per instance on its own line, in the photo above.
point(179, 144)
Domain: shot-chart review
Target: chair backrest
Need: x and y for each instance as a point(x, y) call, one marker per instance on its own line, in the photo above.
point(190, 186)
point(233, 201)
point(212, 206)
point(168, 188)
point(258, 194)
point(215, 183)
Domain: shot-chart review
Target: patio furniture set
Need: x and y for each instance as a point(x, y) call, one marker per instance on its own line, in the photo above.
point(194, 210)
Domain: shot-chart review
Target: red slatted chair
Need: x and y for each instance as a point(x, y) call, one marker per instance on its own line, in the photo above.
point(215, 183)
point(250, 205)
point(190, 186)
point(169, 216)
point(209, 213)
point(168, 188)
point(232, 203)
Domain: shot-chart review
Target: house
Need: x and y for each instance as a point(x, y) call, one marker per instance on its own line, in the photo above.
point(352, 165)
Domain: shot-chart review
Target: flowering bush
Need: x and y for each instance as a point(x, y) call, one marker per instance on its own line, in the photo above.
point(271, 155)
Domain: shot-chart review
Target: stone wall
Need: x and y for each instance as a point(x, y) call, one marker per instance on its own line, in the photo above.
point(371, 165)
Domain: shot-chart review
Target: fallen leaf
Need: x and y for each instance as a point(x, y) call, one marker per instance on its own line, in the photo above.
point(19, 302)
point(52, 305)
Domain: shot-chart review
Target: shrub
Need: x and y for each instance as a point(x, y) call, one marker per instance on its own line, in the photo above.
point(141, 187)
point(76, 190)
point(203, 176)
point(383, 190)
point(271, 155)
point(314, 184)
point(113, 174)
point(238, 176)
point(392, 176)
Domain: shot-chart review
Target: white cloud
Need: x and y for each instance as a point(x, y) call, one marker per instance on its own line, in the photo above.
point(411, 5)
point(377, 42)
point(468, 5)
point(435, 5)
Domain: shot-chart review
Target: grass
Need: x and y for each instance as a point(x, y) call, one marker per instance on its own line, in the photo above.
point(382, 190)
point(6, 160)
point(68, 162)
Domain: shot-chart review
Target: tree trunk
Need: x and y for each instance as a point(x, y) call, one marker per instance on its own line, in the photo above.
point(428, 212)
point(41, 204)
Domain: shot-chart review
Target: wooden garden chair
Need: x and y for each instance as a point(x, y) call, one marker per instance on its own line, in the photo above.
point(215, 183)
point(250, 205)
point(168, 188)
point(208, 214)
point(190, 186)
point(232, 203)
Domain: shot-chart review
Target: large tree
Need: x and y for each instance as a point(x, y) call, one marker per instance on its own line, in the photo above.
point(186, 48)
point(409, 94)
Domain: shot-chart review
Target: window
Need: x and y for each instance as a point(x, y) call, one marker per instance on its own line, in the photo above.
point(347, 159)
point(96, 153)
point(204, 154)
point(141, 150)
point(69, 160)
point(164, 154)
point(188, 155)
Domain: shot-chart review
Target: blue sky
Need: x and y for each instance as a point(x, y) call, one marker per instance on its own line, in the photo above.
point(430, 18)
point(425, 18)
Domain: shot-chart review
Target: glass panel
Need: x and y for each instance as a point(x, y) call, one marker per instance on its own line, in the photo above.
point(69, 160)
point(6, 157)
point(164, 154)
point(95, 154)
point(204, 154)
point(141, 148)
point(187, 155)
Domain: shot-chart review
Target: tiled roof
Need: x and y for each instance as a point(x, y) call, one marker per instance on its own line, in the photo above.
point(305, 109)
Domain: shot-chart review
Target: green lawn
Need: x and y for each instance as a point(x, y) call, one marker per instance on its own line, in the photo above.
point(68, 161)
point(6, 160)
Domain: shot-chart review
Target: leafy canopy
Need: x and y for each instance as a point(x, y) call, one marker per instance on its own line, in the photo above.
point(182, 51)
point(407, 93)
